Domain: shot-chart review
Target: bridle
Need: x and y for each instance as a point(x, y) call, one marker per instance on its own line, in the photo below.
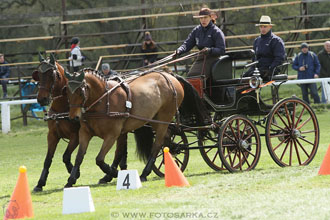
point(43, 68)
point(83, 90)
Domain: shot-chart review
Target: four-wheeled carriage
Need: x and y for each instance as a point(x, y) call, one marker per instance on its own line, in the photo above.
point(232, 141)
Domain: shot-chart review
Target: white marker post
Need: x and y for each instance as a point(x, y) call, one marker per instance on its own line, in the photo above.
point(77, 200)
point(128, 179)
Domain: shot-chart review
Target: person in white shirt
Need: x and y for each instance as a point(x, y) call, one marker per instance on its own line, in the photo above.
point(76, 58)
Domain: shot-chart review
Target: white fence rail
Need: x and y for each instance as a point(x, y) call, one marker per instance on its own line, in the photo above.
point(323, 81)
point(5, 112)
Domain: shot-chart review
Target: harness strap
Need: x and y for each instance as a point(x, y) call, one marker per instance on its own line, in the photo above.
point(106, 93)
point(119, 115)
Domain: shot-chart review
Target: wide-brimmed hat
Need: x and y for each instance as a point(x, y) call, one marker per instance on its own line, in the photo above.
point(265, 20)
point(203, 12)
point(147, 36)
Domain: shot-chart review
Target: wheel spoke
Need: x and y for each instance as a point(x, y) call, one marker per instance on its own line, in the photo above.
point(278, 135)
point(215, 156)
point(297, 152)
point(275, 148)
point(232, 130)
point(282, 120)
point(290, 159)
point(161, 163)
point(306, 132)
point(160, 154)
point(234, 158)
point(243, 131)
point(229, 137)
point(250, 135)
point(299, 118)
point(293, 114)
point(230, 160)
point(303, 148)
point(208, 150)
point(238, 130)
point(178, 161)
point(278, 127)
point(306, 140)
point(286, 147)
point(287, 115)
point(240, 160)
point(229, 145)
point(305, 122)
point(246, 160)
point(251, 154)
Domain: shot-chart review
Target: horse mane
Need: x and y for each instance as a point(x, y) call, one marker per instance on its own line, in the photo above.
point(95, 73)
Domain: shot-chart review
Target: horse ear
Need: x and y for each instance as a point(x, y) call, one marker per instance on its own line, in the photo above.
point(52, 59)
point(35, 75)
point(67, 75)
point(41, 58)
point(80, 77)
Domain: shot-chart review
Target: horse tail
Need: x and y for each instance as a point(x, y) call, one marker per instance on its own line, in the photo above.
point(192, 104)
point(144, 141)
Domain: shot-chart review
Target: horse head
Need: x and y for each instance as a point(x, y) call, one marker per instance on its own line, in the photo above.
point(77, 94)
point(46, 74)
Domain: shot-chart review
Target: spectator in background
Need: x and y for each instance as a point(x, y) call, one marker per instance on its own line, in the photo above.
point(149, 46)
point(76, 58)
point(308, 66)
point(269, 49)
point(324, 58)
point(4, 73)
point(107, 72)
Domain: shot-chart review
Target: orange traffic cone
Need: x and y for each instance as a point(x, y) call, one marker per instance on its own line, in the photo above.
point(20, 205)
point(325, 166)
point(173, 174)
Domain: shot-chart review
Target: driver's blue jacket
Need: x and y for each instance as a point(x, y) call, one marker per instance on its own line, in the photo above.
point(210, 36)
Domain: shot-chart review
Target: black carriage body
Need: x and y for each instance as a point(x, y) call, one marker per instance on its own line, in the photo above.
point(232, 141)
point(223, 93)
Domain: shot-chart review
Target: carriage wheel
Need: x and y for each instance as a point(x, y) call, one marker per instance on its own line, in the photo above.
point(211, 154)
point(292, 133)
point(178, 143)
point(239, 144)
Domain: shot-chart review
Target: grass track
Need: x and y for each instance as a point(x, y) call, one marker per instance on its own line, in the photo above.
point(267, 192)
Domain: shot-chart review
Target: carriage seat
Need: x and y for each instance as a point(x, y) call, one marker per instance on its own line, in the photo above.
point(280, 77)
point(223, 68)
point(241, 54)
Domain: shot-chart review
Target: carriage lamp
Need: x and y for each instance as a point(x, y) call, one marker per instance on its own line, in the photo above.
point(255, 80)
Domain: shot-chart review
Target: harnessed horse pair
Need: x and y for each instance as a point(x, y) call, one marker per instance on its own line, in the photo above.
point(155, 98)
point(50, 75)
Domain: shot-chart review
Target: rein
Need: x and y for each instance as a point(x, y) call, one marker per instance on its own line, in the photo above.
point(163, 62)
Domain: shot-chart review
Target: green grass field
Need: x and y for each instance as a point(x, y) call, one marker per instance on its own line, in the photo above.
point(268, 192)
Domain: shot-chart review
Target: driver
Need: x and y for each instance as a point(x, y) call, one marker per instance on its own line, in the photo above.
point(205, 36)
point(269, 49)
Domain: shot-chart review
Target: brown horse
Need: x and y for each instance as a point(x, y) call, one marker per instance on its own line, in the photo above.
point(50, 76)
point(105, 110)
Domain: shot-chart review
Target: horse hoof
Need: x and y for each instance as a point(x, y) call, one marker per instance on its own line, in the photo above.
point(101, 181)
point(143, 179)
point(37, 189)
point(68, 185)
point(78, 175)
point(106, 179)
